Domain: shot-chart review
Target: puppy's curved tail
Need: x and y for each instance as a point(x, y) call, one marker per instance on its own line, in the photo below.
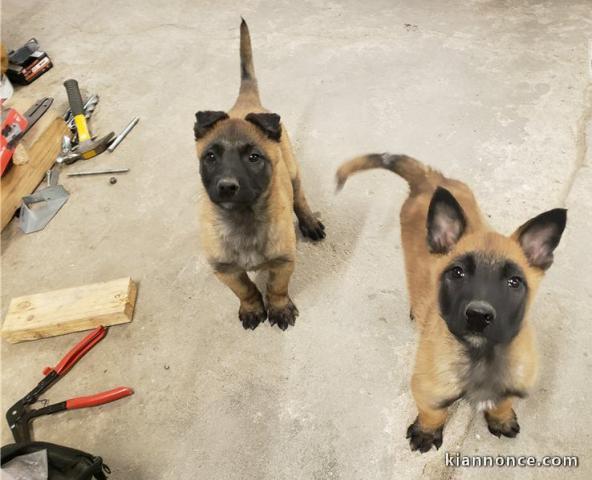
point(248, 86)
point(416, 173)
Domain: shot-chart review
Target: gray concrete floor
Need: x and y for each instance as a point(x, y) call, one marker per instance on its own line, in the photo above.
point(495, 93)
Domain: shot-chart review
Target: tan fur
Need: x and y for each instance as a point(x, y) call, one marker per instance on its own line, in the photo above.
point(440, 362)
point(271, 245)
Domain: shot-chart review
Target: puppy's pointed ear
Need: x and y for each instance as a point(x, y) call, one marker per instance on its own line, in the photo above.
point(206, 120)
point(540, 236)
point(268, 122)
point(446, 221)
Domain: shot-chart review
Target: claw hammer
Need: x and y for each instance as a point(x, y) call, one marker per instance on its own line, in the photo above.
point(87, 147)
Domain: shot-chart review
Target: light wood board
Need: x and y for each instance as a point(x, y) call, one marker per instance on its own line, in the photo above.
point(69, 310)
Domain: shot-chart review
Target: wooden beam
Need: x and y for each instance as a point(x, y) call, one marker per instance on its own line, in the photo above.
point(41, 145)
point(69, 310)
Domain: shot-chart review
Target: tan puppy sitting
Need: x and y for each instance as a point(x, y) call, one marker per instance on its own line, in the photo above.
point(253, 185)
point(470, 290)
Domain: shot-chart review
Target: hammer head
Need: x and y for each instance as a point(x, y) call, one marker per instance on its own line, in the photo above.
point(92, 148)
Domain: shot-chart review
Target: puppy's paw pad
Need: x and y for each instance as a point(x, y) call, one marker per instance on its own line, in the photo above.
point(312, 228)
point(252, 318)
point(422, 440)
point(509, 428)
point(283, 317)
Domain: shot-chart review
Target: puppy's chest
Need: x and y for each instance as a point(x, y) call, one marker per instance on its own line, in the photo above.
point(244, 244)
point(486, 380)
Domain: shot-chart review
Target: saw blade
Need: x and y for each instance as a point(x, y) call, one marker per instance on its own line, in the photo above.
point(36, 111)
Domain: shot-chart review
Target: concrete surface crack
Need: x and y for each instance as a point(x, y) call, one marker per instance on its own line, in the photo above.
point(581, 143)
point(450, 473)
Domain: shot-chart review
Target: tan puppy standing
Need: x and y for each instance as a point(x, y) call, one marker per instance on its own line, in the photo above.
point(252, 182)
point(470, 290)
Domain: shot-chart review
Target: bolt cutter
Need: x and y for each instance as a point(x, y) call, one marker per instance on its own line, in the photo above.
point(20, 414)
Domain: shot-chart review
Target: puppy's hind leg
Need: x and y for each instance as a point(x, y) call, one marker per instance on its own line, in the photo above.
point(252, 310)
point(310, 226)
point(280, 309)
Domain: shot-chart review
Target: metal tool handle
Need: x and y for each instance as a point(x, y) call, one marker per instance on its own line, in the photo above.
point(99, 172)
point(123, 134)
point(77, 108)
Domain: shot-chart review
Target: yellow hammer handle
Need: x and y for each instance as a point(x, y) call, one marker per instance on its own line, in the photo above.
point(77, 108)
point(82, 128)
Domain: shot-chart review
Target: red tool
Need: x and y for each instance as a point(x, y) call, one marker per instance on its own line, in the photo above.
point(19, 415)
point(15, 125)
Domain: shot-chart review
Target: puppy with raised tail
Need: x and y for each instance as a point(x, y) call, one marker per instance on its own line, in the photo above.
point(470, 290)
point(252, 182)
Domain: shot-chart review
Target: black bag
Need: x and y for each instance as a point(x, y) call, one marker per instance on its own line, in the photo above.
point(63, 463)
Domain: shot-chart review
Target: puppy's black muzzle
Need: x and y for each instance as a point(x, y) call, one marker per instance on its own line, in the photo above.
point(479, 315)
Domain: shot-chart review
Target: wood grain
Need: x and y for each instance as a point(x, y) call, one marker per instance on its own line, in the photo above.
point(69, 310)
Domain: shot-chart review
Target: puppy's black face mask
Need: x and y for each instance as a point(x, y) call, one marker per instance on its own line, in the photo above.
point(234, 167)
point(235, 172)
point(483, 299)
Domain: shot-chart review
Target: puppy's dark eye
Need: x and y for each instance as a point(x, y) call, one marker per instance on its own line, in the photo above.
point(457, 272)
point(254, 157)
point(210, 157)
point(514, 282)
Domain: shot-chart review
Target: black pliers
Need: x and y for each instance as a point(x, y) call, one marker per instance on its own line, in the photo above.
point(20, 414)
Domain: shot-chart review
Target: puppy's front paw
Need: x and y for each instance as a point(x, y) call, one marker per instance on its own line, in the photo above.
point(497, 427)
point(252, 319)
point(422, 440)
point(311, 227)
point(283, 316)
point(252, 314)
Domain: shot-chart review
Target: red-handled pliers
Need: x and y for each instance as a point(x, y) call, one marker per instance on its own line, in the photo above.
point(19, 415)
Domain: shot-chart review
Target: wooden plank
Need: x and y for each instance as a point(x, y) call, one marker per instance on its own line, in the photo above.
point(69, 310)
point(21, 180)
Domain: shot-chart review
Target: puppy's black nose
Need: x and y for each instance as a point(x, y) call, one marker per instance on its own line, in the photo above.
point(227, 187)
point(479, 314)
